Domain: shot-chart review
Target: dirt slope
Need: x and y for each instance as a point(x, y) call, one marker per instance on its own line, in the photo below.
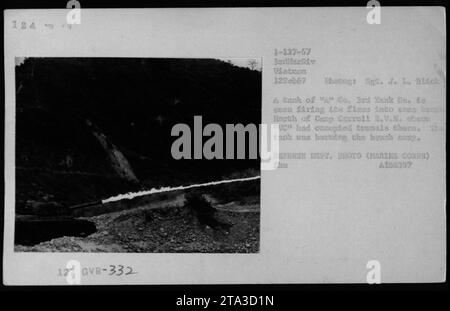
point(167, 228)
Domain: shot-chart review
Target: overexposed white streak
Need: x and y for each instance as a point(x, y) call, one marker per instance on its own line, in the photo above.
point(131, 195)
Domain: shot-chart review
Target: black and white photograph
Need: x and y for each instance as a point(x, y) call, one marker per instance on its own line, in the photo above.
point(225, 145)
point(94, 167)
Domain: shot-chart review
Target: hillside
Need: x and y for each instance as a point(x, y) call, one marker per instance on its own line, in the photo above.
point(89, 128)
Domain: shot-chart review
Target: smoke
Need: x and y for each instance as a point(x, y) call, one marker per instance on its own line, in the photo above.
point(131, 195)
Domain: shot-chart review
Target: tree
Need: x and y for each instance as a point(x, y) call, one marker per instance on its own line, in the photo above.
point(252, 63)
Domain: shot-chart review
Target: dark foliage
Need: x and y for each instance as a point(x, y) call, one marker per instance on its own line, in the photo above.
point(134, 102)
point(199, 205)
point(203, 210)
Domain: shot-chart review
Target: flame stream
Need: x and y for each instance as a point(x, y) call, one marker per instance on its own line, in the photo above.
point(131, 195)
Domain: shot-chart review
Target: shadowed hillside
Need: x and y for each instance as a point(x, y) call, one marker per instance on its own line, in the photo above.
point(88, 128)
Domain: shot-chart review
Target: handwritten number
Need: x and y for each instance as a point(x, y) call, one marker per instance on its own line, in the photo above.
point(112, 270)
point(120, 270)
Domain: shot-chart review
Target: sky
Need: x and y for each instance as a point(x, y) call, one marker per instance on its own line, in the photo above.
point(241, 62)
point(19, 60)
point(244, 62)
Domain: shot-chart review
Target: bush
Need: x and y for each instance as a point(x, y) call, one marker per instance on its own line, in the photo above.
point(204, 211)
point(199, 206)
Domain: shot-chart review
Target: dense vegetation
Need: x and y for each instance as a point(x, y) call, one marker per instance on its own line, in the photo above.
point(134, 102)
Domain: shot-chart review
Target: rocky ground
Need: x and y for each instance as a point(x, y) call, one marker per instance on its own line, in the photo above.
point(169, 228)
